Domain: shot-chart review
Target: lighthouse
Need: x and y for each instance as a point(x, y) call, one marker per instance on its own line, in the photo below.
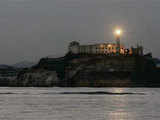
point(118, 33)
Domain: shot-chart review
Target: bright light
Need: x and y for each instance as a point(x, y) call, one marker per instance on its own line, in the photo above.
point(109, 45)
point(102, 46)
point(118, 32)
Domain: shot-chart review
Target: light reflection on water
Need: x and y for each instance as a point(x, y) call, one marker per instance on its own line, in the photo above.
point(35, 104)
point(119, 116)
point(118, 109)
point(118, 90)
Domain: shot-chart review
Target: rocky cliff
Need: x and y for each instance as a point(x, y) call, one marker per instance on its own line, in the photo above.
point(91, 71)
point(112, 71)
point(38, 78)
point(100, 71)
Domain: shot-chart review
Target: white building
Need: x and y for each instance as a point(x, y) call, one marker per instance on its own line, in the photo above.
point(104, 48)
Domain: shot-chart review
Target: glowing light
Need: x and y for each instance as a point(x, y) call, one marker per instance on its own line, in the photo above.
point(118, 32)
point(109, 45)
point(122, 51)
point(102, 46)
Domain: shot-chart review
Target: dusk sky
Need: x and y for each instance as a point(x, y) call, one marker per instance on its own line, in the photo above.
point(31, 29)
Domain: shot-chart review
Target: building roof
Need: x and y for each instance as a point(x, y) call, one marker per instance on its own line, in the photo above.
point(98, 44)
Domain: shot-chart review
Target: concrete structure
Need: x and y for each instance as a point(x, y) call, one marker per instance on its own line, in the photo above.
point(104, 48)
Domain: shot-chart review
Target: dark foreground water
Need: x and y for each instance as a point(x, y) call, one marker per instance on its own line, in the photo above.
point(79, 104)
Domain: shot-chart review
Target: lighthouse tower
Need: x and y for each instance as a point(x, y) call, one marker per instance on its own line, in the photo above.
point(118, 33)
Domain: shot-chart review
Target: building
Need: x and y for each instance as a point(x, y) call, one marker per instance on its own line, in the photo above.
point(104, 48)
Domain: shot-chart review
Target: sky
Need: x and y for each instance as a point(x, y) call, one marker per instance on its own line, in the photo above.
point(32, 29)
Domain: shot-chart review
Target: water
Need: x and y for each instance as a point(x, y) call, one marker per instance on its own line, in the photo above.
point(79, 103)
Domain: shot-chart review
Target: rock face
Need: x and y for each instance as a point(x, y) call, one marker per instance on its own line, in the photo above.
point(91, 71)
point(38, 78)
point(100, 71)
point(112, 71)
